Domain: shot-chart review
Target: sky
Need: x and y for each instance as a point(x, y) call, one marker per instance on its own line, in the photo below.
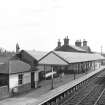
point(38, 24)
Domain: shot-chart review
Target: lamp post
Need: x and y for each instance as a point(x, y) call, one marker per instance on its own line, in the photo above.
point(52, 84)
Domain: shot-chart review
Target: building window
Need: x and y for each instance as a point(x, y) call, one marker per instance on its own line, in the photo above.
point(20, 80)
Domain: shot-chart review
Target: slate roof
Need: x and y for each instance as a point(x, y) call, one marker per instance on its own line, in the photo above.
point(14, 66)
point(70, 48)
point(52, 59)
point(73, 57)
point(37, 54)
point(86, 48)
point(78, 48)
point(70, 57)
point(4, 68)
point(17, 66)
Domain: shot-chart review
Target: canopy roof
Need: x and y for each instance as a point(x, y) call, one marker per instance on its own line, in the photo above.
point(52, 59)
point(64, 58)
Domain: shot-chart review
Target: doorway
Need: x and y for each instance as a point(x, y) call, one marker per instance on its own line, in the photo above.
point(32, 80)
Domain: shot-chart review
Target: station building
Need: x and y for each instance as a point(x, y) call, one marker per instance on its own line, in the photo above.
point(26, 69)
point(19, 73)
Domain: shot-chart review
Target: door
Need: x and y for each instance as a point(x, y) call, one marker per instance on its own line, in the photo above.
point(32, 80)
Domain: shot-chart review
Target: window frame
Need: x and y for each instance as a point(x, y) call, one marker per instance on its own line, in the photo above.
point(20, 78)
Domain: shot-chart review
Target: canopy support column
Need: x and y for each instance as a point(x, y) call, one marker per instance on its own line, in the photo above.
point(52, 82)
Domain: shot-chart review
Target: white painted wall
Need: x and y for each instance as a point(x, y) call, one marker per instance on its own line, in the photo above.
point(26, 78)
point(36, 76)
point(13, 81)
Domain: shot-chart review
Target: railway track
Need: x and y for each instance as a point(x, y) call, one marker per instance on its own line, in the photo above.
point(89, 94)
point(101, 99)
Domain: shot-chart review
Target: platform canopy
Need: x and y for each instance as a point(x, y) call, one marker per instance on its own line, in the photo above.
point(65, 58)
point(52, 59)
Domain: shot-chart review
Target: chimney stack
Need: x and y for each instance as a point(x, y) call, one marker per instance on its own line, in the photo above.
point(78, 43)
point(66, 41)
point(84, 42)
point(59, 43)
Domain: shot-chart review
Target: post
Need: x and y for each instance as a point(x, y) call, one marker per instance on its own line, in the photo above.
point(44, 72)
point(101, 54)
point(78, 67)
point(74, 71)
point(94, 65)
point(74, 75)
point(52, 87)
point(86, 67)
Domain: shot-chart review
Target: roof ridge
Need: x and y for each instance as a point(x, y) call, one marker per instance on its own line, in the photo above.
point(77, 48)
